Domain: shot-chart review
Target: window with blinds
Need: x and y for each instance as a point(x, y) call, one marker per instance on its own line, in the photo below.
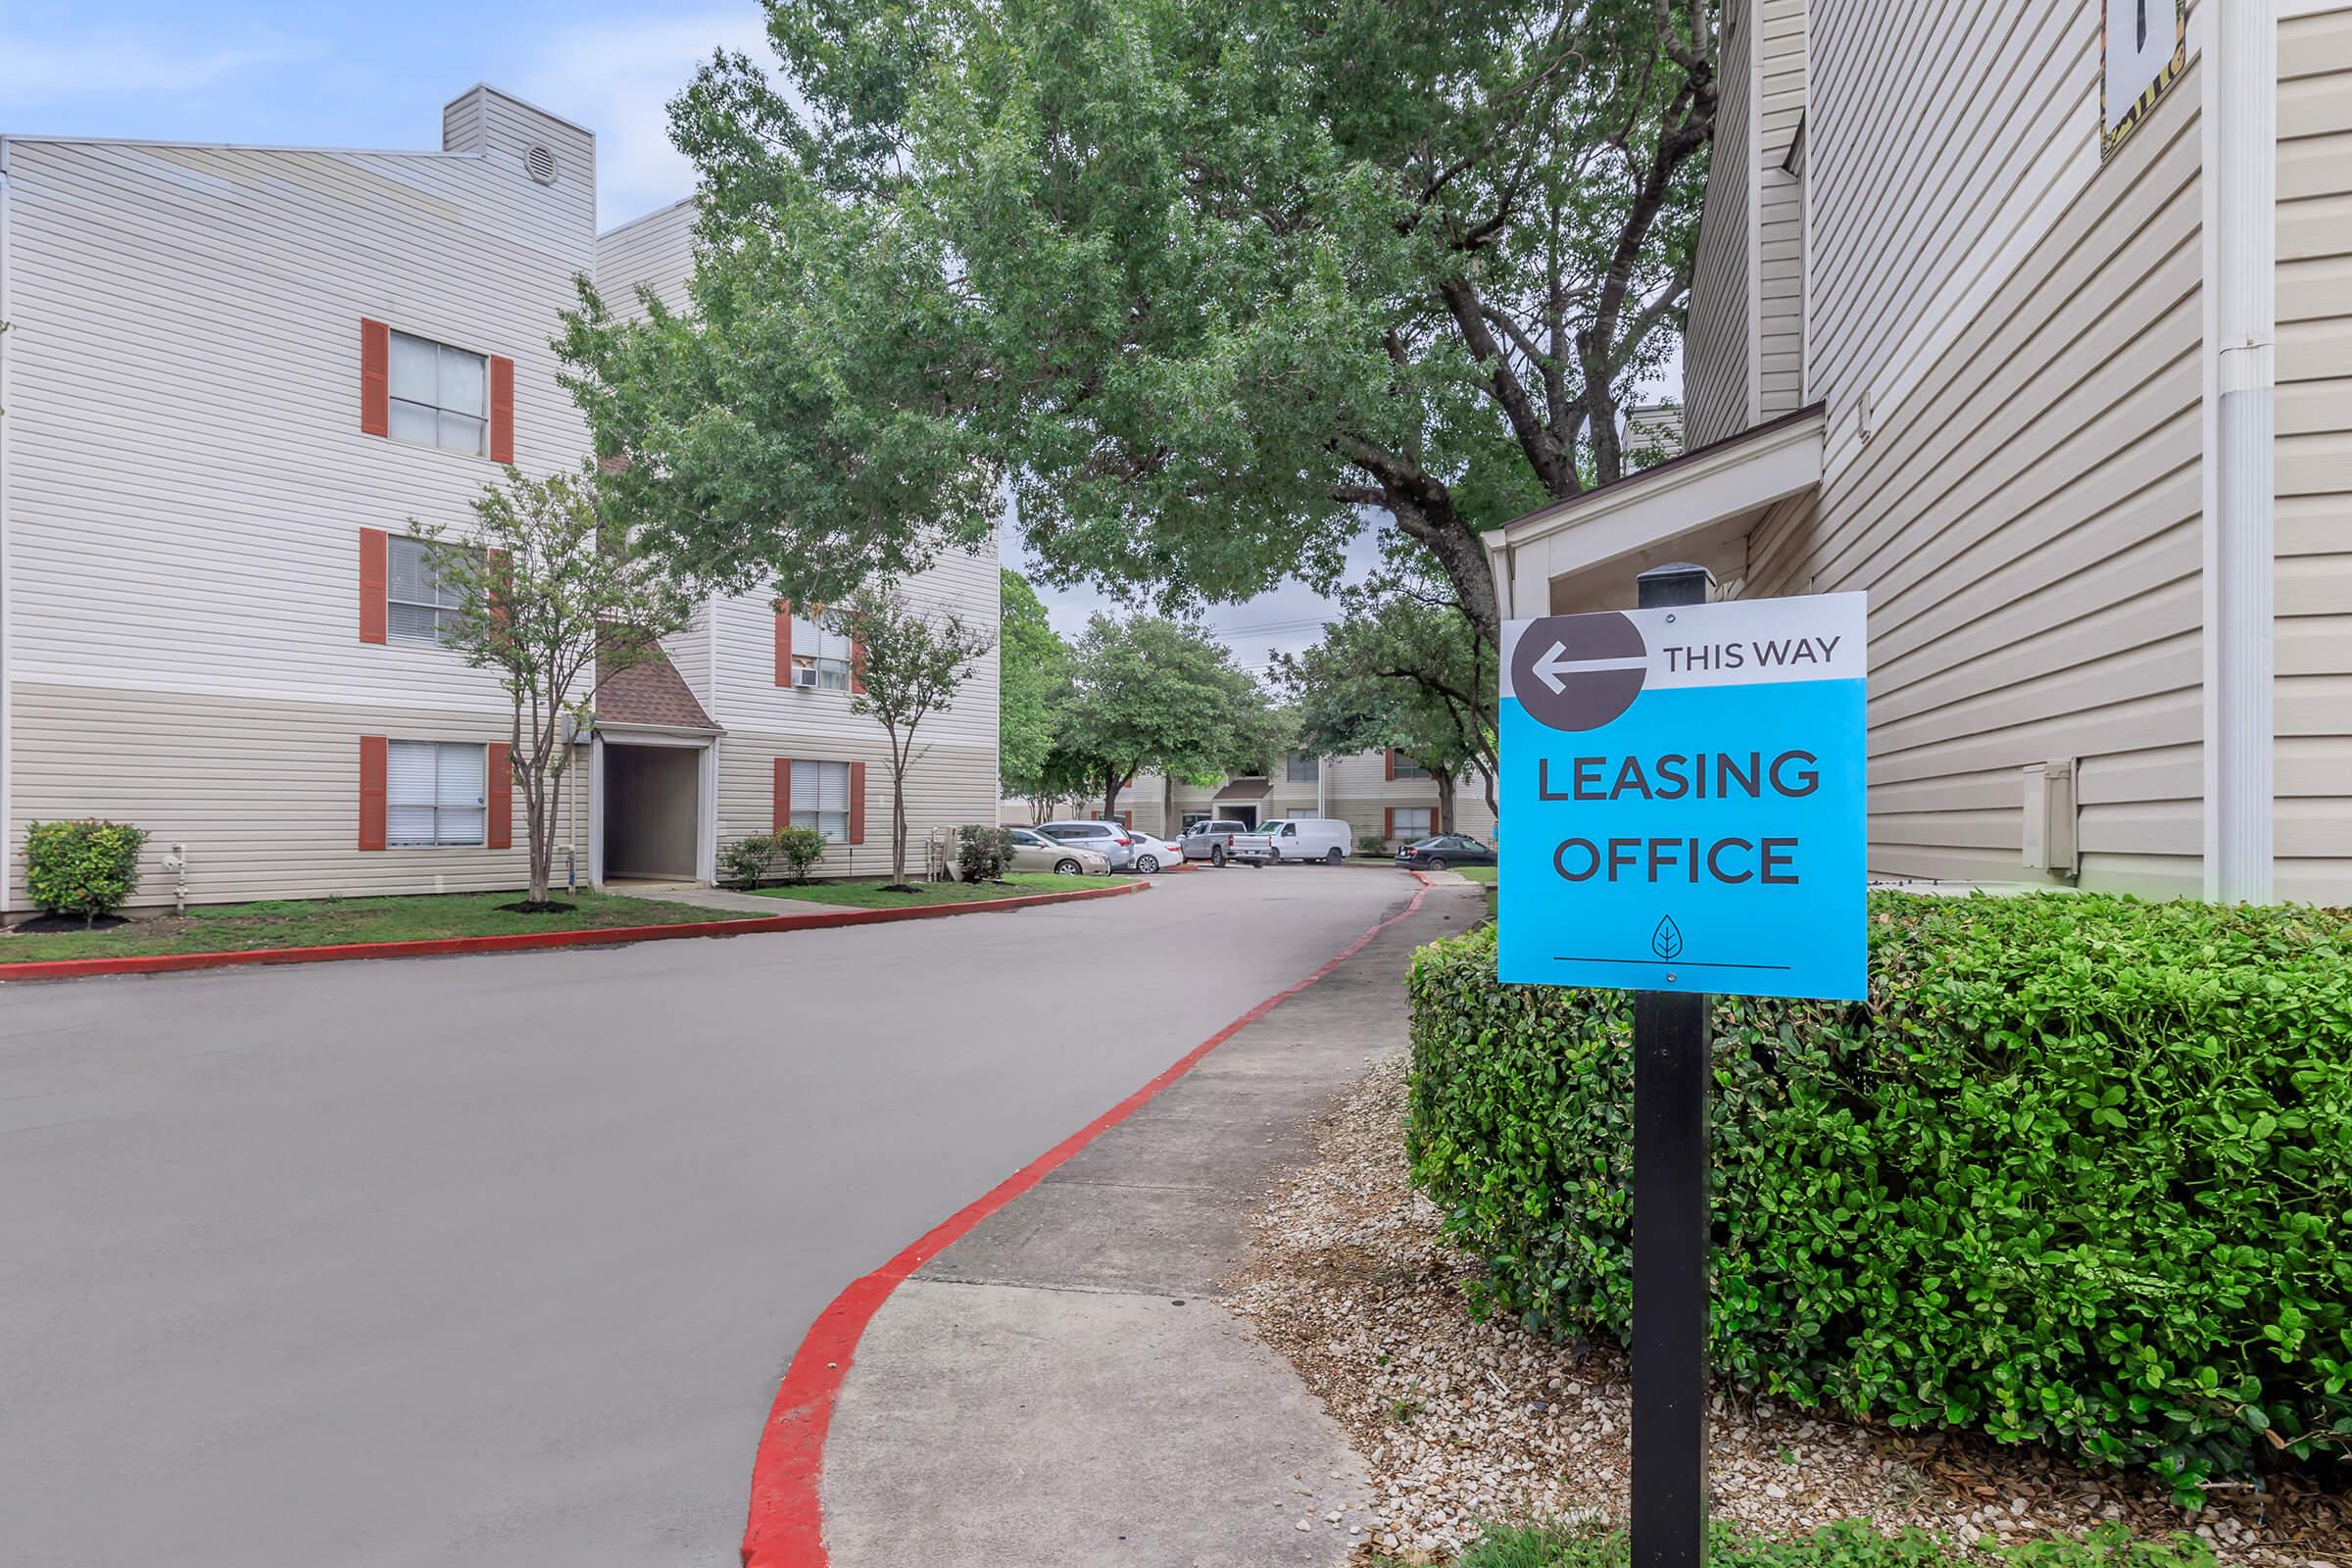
point(417, 603)
point(1407, 768)
point(820, 797)
point(1303, 766)
point(433, 794)
point(440, 395)
point(1414, 821)
point(819, 652)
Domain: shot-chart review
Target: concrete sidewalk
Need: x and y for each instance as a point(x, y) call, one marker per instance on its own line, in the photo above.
point(1061, 1389)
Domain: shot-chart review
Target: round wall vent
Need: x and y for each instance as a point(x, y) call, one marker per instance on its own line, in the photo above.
point(541, 163)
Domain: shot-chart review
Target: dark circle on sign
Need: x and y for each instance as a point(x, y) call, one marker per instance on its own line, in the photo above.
point(1587, 698)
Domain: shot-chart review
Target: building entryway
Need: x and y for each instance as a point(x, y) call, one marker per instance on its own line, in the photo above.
point(651, 806)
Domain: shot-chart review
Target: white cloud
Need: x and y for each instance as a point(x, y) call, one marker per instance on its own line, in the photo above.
point(119, 59)
point(617, 78)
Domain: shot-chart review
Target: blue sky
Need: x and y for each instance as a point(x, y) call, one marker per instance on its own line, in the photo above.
point(260, 71)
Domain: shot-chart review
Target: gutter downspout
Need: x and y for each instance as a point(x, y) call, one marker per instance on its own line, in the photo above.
point(2245, 175)
point(8, 749)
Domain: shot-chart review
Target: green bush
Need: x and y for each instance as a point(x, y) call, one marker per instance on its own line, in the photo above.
point(744, 863)
point(87, 867)
point(983, 854)
point(2080, 1173)
point(801, 848)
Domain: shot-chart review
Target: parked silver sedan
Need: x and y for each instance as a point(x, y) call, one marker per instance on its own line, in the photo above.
point(1032, 851)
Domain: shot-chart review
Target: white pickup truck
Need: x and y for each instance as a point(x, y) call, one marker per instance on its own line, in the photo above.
point(1222, 839)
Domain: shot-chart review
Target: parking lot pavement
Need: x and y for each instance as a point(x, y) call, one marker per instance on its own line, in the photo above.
point(498, 1259)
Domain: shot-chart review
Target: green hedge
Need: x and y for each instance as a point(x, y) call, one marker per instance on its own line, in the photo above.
point(2080, 1173)
point(89, 867)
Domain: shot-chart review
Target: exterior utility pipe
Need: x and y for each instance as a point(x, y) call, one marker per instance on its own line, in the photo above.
point(2243, 74)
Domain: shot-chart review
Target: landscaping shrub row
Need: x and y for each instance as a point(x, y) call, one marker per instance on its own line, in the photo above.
point(2080, 1173)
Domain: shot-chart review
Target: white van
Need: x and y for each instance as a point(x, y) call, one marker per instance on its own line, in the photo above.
point(1310, 838)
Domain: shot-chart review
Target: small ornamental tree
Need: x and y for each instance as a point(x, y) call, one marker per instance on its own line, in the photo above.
point(1153, 693)
point(910, 663)
point(555, 599)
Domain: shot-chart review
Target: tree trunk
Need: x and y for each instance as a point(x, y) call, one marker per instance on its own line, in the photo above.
point(1111, 785)
point(898, 827)
point(1434, 523)
point(538, 824)
point(1444, 779)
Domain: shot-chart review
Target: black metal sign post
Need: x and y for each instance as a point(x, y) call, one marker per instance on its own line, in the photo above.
point(1671, 1168)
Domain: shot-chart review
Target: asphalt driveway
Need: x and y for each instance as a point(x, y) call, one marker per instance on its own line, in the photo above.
point(498, 1259)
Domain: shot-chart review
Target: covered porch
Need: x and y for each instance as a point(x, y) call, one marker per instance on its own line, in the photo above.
point(1582, 553)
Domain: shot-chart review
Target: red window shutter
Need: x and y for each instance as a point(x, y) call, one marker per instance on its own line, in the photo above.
point(1388, 819)
point(857, 667)
point(375, 378)
point(783, 642)
point(1391, 764)
point(375, 761)
point(375, 570)
point(501, 410)
point(1127, 821)
point(783, 794)
point(500, 787)
point(856, 803)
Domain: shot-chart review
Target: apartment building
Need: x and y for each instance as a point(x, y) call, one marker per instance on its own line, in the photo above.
point(232, 376)
point(1986, 316)
point(1380, 793)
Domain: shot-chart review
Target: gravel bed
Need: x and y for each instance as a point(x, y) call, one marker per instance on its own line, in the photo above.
point(1462, 1422)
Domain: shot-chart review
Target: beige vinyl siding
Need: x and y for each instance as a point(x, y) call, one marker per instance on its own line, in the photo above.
point(2314, 828)
point(1716, 350)
point(263, 793)
point(949, 787)
point(656, 251)
point(2027, 518)
point(187, 480)
point(1780, 327)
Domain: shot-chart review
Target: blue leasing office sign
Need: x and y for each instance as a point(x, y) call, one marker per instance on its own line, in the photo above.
point(1683, 799)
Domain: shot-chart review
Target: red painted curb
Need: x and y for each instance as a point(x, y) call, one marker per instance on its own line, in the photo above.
point(786, 1525)
point(528, 941)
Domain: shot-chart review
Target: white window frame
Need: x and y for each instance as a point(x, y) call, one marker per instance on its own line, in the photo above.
point(447, 799)
point(1301, 814)
point(1428, 829)
point(443, 608)
point(1407, 768)
point(451, 393)
point(821, 650)
point(1290, 768)
point(808, 786)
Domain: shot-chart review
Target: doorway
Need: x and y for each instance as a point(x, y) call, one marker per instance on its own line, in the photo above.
point(652, 803)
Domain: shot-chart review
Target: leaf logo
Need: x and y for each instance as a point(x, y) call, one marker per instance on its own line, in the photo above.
point(1666, 941)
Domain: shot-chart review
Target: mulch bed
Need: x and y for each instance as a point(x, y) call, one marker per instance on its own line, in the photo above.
point(1465, 1423)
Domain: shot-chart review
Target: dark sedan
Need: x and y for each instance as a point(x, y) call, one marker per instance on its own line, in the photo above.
point(1444, 850)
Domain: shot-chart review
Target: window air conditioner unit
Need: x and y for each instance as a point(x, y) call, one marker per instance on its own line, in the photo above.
point(804, 676)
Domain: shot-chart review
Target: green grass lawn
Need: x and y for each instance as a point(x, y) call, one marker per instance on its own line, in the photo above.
point(871, 895)
point(319, 922)
point(1477, 874)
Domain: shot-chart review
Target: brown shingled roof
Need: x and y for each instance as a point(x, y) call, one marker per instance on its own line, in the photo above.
point(650, 693)
point(1244, 789)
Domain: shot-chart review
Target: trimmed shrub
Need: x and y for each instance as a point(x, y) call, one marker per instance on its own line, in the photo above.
point(88, 867)
point(744, 863)
point(983, 854)
point(802, 846)
point(2080, 1173)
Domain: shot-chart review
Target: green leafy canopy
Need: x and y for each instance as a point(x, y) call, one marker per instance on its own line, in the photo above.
point(1200, 281)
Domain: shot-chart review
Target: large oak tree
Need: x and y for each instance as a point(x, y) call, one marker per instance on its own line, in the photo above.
point(1202, 280)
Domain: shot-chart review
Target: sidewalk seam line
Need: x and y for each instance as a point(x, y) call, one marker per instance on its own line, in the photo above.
point(785, 1525)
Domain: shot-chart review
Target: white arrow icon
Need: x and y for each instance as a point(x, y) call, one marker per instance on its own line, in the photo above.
point(1553, 668)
